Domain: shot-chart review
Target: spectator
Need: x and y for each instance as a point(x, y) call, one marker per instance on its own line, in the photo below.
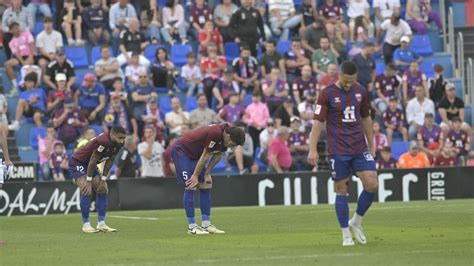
point(430, 137)
point(60, 65)
point(304, 84)
point(141, 93)
point(309, 14)
point(322, 57)
point(256, 115)
point(279, 156)
point(357, 8)
point(45, 146)
point(386, 161)
point(275, 90)
point(470, 159)
point(437, 85)
point(174, 22)
point(22, 46)
point(19, 14)
point(203, 115)
point(176, 118)
point(413, 158)
point(242, 156)
point(163, 71)
point(416, 110)
point(120, 14)
point(107, 69)
point(32, 103)
point(27, 69)
point(450, 107)
point(361, 36)
point(41, 5)
point(212, 68)
point(222, 16)
point(48, 43)
point(412, 79)
point(57, 97)
point(126, 159)
point(132, 41)
point(419, 14)
point(312, 36)
point(387, 87)
point(150, 21)
point(379, 137)
point(246, 70)
point(394, 28)
point(224, 87)
point(117, 113)
point(90, 97)
point(330, 77)
point(3, 7)
point(95, 20)
point(3, 110)
point(168, 165)
point(118, 87)
point(285, 112)
point(266, 137)
point(283, 17)
point(385, 10)
point(152, 116)
point(307, 108)
point(232, 112)
point(247, 26)
point(458, 139)
point(198, 16)
point(394, 120)
point(446, 158)
point(210, 35)
point(271, 59)
point(191, 73)
point(135, 71)
point(333, 16)
point(339, 45)
point(298, 144)
point(366, 66)
point(403, 56)
point(87, 134)
point(70, 17)
point(151, 153)
point(69, 121)
point(58, 161)
point(295, 59)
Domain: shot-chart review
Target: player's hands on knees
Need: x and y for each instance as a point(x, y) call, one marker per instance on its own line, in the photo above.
point(208, 179)
point(87, 189)
point(192, 183)
point(313, 157)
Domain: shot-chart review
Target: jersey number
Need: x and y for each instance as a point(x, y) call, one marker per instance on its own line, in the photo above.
point(80, 169)
point(185, 175)
point(332, 164)
point(349, 115)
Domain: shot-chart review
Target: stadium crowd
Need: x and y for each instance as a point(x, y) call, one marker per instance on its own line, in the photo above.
point(236, 75)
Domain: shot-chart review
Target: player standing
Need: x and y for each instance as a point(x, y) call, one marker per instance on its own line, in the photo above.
point(190, 154)
point(344, 106)
point(83, 168)
point(6, 167)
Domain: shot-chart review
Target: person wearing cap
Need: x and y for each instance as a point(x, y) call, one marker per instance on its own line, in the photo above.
point(394, 120)
point(413, 158)
point(284, 112)
point(404, 56)
point(90, 97)
point(430, 137)
point(387, 87)
point(69, 122)
point(232, 112)
point(222, 89)
point(307, 108)
point(48, 42)
point(60, 65)
point(416, 110)
point(396, 30)
point(107, 68)
point(117, 113)
point(176, 117)
point(203, 115)
point(31, 103)
point(386, 161)
point(245, 70)
point(270, 59)
point(298, 144)
point(279, 155)
point(256, 117)
point(57, 97)
point(152, 116)
point(450, 107)
point(275, 90)
point(304, 84)
point(412, 78)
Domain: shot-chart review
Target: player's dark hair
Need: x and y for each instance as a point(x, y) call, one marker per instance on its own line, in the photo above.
point(237, 135)
point(349, 68)
point(118, 129)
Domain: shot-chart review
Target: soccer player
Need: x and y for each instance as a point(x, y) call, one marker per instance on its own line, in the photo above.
point(190, 154)
point(344, 106)
point(6, 167)
point(83, 168)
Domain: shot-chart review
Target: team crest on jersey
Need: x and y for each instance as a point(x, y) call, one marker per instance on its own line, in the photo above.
point(212, 144)
point(318, 109)
point(358, 97)
point(337, 100)
point(100, 148)
point(368, 156)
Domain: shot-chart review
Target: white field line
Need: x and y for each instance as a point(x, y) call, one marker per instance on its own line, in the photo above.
point(138, 218)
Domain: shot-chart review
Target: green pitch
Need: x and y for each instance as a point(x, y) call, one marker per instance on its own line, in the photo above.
point(415, 233)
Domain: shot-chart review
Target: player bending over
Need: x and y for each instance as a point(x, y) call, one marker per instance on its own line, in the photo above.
point(344, 106)
point(83, 168)
point(190, 154)
point(6, 167)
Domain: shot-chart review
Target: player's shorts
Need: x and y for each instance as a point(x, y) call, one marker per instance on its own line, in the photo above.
point(76, 169)
point(184, 165)
point(343, 166)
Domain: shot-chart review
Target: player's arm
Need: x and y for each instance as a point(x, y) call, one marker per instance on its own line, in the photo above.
point(313, 156)
point(215, 159)
point(191, 183)
point(369, 133)
point(91, 168)
point(108, 164)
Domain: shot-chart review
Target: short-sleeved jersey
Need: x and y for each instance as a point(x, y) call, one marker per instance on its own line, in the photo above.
point(343, 112)
point(329, 12)
point(442, 161)
point(458, 140)
point(429, 136)
point(395, 118)
point(55, 68)
point(390, 164)
point(200, 15)
point(210, 138)
point(305, 86)
point(101, 145)
point(387, 85)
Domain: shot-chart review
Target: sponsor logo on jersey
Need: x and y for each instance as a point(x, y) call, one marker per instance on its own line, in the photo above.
point(368, 156)
point(318, 109)
point(337, 100)
point(212, 144)
point(100, 148)
point(358, 97)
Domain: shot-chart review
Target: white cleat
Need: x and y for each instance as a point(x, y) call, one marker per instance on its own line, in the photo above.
point(104, 228)
point(347, 241)
point(213, 230)
point(358, 232)
point(87, 228)
point(197, 230)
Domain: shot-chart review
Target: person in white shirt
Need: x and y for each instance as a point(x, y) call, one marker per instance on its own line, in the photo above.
point(283, 17)
point(416, 110)
point(134, 70)
point(358, 8)
point(151, 153)
point(48, 42)
point(192, 75)
point(395, 28)
point(119, 14)
point(176, 117)
point(384, 9)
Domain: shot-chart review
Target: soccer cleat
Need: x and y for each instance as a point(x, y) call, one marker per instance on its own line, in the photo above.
point(213, 230)
point(358, 232)
point(87, 228)
point(197, 230)
point(347, 241)
point(104, 228)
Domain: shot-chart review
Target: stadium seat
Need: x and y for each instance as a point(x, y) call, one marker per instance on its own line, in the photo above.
point(399, 148)
point(458, 84)
point(38, 28)
point(191, 104)
point(28, 155)
point(421, 45)
point(468, 114)
point(165, 104)
point(231, 51)
point(443, 59)
point(150, 51)
point(77, 55)
point(179, 52)
point(247, 100)
point(34, 133)
point(96, 55)
point(220, 166)
point(283, 46)
point(261, 164)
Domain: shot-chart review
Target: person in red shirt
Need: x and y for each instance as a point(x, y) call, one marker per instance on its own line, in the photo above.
point(212, 67)
point(446, 158)
point(330, 77)
point(279, 156)
point(210, 35)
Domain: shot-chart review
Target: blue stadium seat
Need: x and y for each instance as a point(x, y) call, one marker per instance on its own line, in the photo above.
point(165, 104)
point(28, 155)
point(179, 52)
point(22, 136)
point(34, 133)
point(458, 84)
point(38, 28)
point(231, 51)
point(399, 148)
point(247, 100)
point(96, 55)
point(97, 128)
point(261, 164)
point(220, 166)
point(379, 67)
point(283, 46)
point(468, 114)
point(443, 59)
point(191, 104)
point(150, 51)
point(421, 45)
point(77, 55)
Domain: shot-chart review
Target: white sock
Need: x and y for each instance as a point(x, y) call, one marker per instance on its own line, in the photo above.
point(346, 232)
point(191, 226)
point(101, 223)
point(357, 219)
point(206, 224)
point(87, 224)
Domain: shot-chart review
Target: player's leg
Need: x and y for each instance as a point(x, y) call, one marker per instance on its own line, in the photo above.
point(85, 203)
point(205, 206)
point(101, 189)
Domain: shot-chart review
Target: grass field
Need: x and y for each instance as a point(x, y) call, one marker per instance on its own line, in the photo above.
point(415, 233)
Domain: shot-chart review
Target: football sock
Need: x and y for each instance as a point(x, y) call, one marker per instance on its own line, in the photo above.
point(342, 210)
point(101, 202)
point(85, 206)
point(205, 205)
point(188, 203)
point(364, 202)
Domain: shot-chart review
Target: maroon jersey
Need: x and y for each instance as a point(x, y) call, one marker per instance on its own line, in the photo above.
point(429, 136)
point(442, 161)
point(304, 87)
point(166, 162)
point(382, 164)
point(101, 145)
point(458, 140)
point(328, 12)
point(395, 118)
point(200, 15)
point(208, 138)
point(386, 85)
point(298, 139)
point(57, 158)
point(343, 112)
